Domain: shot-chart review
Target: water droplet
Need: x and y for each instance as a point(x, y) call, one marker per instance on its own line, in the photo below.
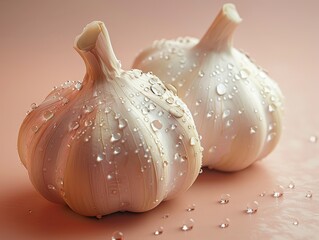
point(190, 208)
point(271, 107)
point(226, 113)
point(221, 89)
point(171, 88)
point(252, 207)
point(201, 74)
point(165, 163)
point(51, 187)
point(313, 139)
point(78, 85)
point(309, 194)
point(74, 126)
point(244, 73)
point(230, 66)
point(29, 211)
point(188, 225)
point(170, 100)
point(225, 223)
point(99, 157)
point(47, 115)
point(117, 151)
point(177, 112)
point(291, 185)
point(88, 109)
point(229, 122)
point(210, 114)
point(159, 231)
point(253, 130)
point(117, 236)
point(271, 136)
point(33, 106)
point(122, 123)
point(151, 106)
point(224, 198)
point(88, 123)
point(262, 194)
point(295, 221)
point(115, 137)
point(192, 141)
point(278, 191)
point(158, 89)
point(34, 128)
point(156, 125)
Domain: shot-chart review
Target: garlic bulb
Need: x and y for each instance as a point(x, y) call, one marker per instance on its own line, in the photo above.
point(237, 108)
point(118, 141)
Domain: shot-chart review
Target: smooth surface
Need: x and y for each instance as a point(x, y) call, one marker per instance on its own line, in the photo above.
point(36, 54)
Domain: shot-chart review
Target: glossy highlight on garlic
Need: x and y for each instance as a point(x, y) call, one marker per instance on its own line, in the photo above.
point(237, 108)
point(118, 141)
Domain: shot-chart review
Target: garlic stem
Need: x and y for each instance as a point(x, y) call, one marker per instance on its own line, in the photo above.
point(94, 46)
point(219, 36)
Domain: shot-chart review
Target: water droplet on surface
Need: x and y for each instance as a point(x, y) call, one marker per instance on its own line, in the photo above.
point(34, 129)
point(271, 136)
point(115, 137)
point(156, 125)
point(221, 89)
point(262, 194)
point(271, 107)
point(252, 207)
point(244, 73)
point(88, 123)
point(253, 130)
point(309, 194)
point(78, 85)
point(190, 208)
point(117, 236)
point(230, 66)
point(313, 139)
point(151, 106)
point(51, 187)
point(177, 112)
point(224, 198)
point(192, 141)
point(159, 231)
point(158, 89)
point(170, 100)
point(122, 123)
point(226, 113)
point(47, 115)
point(88, 109)
point(99, 158)
point(188, 225)
point(117, 151)
point(210, 114)
point(278, 191)
point(295, 221)
point(33, 106)
point(291, 185)
point(201, 74)
point(225, 223)
point(74, 126)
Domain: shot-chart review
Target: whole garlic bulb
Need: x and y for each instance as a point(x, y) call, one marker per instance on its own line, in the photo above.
point(118, 141)
point(237, 108)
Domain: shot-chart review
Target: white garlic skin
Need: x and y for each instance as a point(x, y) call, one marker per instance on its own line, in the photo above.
point(237, 108)
point(119, 141)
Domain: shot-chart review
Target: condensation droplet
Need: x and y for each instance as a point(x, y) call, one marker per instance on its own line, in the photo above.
point(191, 208)
point(74, 126)
point(117, 236)
point(192, 141)
point(88, 123)
point(151, 106)
point(117, 150)
point(291, 185)
point(99, 158)
point(309, 194)
point(253, 130)
point(201, 73)
point(271, 107)
point(170, 100)
point(271, 136)
point(226, 113)
point(33, 106)
point(313, 139)
point(278, 191)
point(221, 89)
point(252, 207)
point(47, 115)
point(230, 66)
point(224, 198)
point(158, 89)
point(51, 187)
point(122, 123)
point(188, 225)
point(225, 223)
point(159, 231)
point(88, 109)
point(244, 73)
point(78, 85)
point(34, 128)
point(262, 194)
point(177, 112)
point(115, 137)
point(295, 221)
point(156, 125)
point(210, 114)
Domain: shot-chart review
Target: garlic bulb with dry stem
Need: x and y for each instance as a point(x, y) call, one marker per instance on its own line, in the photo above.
point(237, 108)
point(118, 141)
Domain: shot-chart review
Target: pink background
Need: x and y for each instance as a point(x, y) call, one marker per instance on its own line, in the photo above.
point(282, 36)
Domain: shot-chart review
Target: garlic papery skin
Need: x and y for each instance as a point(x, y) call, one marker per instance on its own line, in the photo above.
point(118, 141)
point(237, 108)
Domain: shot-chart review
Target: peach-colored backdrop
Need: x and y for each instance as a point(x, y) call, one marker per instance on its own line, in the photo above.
point(36, 53)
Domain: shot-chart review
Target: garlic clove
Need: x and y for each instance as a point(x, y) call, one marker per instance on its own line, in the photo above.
point(118, 141)
point(236, 106)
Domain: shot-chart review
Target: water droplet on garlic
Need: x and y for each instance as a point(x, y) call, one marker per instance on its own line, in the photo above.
point(159, 231)
point(221, 89)
point(313, 139)
point(252, 207)
point(188, 224)
point(115, 137)
point(225, 223)
point(309, 194)
point(117, 236)
point(156, 125)
point(191, 208)
point(224, 198)
point(278, 191)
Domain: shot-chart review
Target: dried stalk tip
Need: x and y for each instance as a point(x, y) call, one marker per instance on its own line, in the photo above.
point(231, 13)
point(87, 39)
